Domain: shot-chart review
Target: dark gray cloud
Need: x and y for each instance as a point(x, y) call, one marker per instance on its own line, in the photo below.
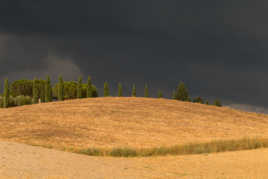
point(218, 48)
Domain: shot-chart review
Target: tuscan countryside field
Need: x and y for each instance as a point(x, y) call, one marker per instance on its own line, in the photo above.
point(134, 137)
point(133, 89)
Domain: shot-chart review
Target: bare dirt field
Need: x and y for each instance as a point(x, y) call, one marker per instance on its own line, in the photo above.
point(126, 122)
point(20, 161)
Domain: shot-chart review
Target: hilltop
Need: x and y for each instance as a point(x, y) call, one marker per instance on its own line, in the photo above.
point(110, 122)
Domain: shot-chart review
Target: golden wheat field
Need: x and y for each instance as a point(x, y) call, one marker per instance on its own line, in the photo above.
point(126, 122)
point(19, 161)
point(140, 123)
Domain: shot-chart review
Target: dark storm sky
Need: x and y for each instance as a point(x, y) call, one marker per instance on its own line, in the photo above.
point(218, 48)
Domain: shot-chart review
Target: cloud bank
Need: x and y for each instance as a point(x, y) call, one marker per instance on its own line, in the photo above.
point(218, 48)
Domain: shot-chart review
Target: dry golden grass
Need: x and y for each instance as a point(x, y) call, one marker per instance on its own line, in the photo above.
point(21, 161)
point(126, 122)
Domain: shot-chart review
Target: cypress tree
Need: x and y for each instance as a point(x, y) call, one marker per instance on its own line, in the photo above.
point(35, 91)
point(48, 90)
point(60, 89)
point(106, 89)
point(120, 90)
point(89, 88)
point(42, 91)
point(160, 94)
point(217, 103)
point(50, 93)
point(21, 88)
point(198, 100)
point(79, 88)
point(182, 92)
point(6, 94)
point(146, 91)
point(173, 94)
point(133, 94)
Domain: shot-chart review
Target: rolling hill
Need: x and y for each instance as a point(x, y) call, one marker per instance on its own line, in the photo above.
point(126, 122)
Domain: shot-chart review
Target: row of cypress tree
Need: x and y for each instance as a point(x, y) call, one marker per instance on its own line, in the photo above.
point(106, 91)
point(180, 93)
point(45, 94)
point(89, 92)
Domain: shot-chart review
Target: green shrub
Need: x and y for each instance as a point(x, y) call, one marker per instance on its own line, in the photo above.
point(17, 101)
point(70, 90)
point(92, 152)
point(123, 152)
point(25, 88)
point(217, 103)
point(12, 101)
point(198, 100)
point(22, 100)
point(21, 87)
point(187, 149)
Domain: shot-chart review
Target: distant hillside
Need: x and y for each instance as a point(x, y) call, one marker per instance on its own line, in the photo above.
point(126, 122)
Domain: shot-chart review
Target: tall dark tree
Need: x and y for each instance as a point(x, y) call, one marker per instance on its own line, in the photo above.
point(174, 95)
point(42, 91)
point(106, 91)
point(133, 93)
point(70, 90)
point(89, 88)
point(217, 103)
point(198, 100)
point(50, 93)
point(79, 88)
point(35, 91)
point(182, 92)
point(120, 90)
point(146, 91)
point(160, 94)
point(61, 89)
point(6, 94)
point(48, 90)
point(21, 88)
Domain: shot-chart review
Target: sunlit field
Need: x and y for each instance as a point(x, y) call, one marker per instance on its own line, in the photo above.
point(138, 123)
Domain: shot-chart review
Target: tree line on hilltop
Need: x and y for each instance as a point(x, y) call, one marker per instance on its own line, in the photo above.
point(25, 92)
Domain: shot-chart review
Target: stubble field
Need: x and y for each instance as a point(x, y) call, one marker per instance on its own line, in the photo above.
point(138, 123)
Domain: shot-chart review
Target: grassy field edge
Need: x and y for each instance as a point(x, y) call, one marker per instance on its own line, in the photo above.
point(188, 149)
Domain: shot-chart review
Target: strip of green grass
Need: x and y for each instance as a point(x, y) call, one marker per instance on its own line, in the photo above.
point(201, 148)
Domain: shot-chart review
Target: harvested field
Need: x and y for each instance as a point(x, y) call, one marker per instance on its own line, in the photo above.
point(126, 122)
point(19, 161)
